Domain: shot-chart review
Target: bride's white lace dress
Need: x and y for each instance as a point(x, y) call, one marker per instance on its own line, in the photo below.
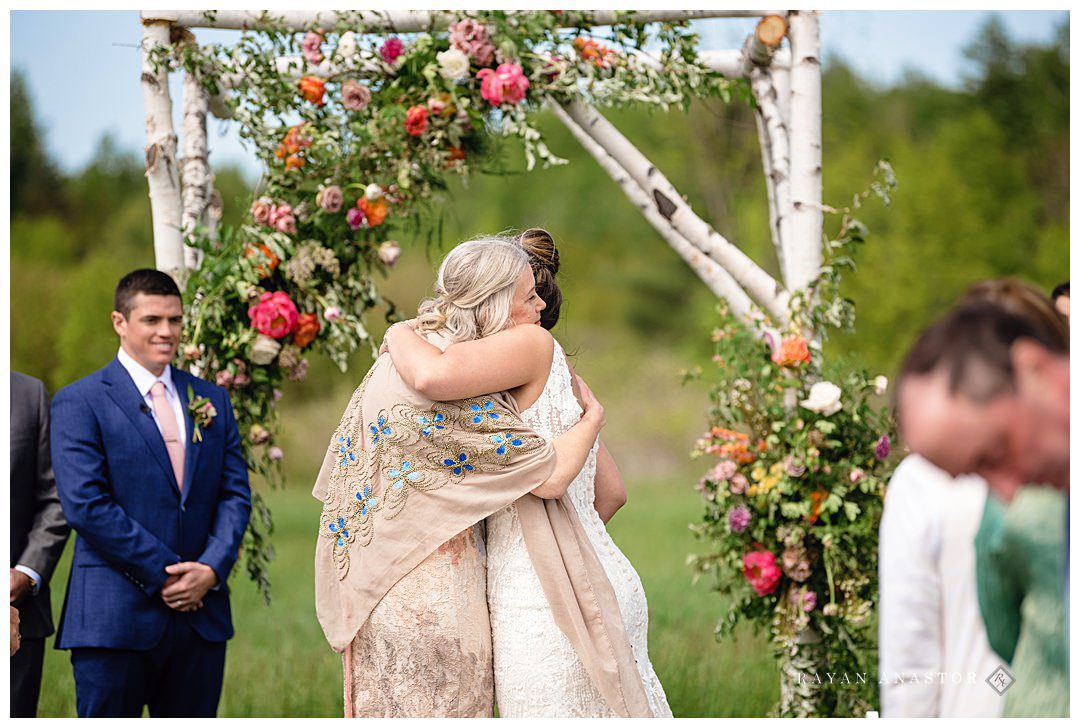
point(537, 673)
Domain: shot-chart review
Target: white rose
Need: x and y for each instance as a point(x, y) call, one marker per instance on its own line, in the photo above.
point(264, 350)
point(454, 64)
point(346, 46)
point(824, 398)
point(881, 383)
point(373, 192)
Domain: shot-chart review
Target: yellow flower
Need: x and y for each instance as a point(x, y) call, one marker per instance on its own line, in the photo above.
point(776, 469)
point(757, 473)
point(752, 490)
point(769, 483)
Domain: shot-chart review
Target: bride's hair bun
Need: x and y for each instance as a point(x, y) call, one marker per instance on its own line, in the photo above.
point(544, 260)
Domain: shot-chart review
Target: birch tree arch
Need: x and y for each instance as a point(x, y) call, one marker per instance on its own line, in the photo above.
point(358, 118)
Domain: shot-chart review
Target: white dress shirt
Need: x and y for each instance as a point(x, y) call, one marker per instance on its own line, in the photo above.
point(144, 379)
point(933, 653)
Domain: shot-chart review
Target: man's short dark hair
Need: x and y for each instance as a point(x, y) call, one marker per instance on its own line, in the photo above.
point(973, 344)
point(1061, 289)
point(144, 280)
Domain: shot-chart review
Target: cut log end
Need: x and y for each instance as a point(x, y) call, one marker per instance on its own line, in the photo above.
point(771, 30)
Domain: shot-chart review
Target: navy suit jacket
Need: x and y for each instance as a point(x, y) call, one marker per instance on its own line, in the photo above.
point(119, 493)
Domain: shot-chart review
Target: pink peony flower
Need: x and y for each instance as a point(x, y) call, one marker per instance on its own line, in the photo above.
point(355, 96)
point(739, 518)
point(760, 569)
point(282, 218)
point(275, 315)
point(473, 38)
point(883, 448)
point(312, 46)
point(224, 378)
point(391, 49)
point(330, 198)
point(506, 84)
point(738, 483)
point(354, 217)
point(260, 210)
point(332, 313)
point(389, 252)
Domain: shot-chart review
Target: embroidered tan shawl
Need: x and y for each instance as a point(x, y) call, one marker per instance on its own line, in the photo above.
point(403, 474)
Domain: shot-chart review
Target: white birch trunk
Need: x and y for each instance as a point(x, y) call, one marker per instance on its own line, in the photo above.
point(161, 171)
point(805, 134)
point(408, 21)
point(776, 160)
point(712, 273)
point(761, 286)
point(194, 165)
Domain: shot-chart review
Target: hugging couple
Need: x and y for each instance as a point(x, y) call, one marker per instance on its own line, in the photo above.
point(462, 557)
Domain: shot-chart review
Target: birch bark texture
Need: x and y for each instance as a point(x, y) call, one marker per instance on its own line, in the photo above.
point(162, 176)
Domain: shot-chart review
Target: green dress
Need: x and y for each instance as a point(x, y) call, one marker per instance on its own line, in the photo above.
point(1020, 572)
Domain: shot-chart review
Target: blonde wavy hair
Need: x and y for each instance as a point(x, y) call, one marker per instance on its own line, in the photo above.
point(474, 291)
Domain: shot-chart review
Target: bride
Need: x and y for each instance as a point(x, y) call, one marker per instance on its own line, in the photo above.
point(537, 673)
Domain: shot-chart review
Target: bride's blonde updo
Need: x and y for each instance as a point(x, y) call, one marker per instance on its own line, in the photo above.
point(474, 292)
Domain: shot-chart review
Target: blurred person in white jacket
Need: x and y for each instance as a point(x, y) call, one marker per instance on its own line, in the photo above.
point(933, 653)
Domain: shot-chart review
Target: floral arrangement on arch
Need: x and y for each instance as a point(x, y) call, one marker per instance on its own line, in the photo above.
point(358, 133)
point(799, 454)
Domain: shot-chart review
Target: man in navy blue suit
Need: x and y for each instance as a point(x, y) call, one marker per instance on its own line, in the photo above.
point(159, 500)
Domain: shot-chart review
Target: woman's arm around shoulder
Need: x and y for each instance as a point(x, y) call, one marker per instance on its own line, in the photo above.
point(495, 363)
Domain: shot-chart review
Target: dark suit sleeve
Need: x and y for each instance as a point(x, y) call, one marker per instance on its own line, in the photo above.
point(79, 462)
point(49, 532)
point(234, 503)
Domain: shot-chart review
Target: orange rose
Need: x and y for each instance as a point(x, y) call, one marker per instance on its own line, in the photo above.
point(816, 499)
point(294, 161)
point(313, 89)
point(261, 268)
point(307, 328)
point(374, 210)
point(792, 352)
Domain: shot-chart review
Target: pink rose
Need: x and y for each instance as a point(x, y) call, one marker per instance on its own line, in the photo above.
point(738, 484)
point(723, 470)
point(275, 315)
point(355, 96)
point(506, 84)
point(355, 218)
point(330, 198)
point(760, 569)
point(389, 252)
point(260, 210)
point(436, 106)
point(856, 475)
point(224, 378)
point(332, 313)
point(391, 49)
point(312, 46)
point(276, 453)
point(282, 218)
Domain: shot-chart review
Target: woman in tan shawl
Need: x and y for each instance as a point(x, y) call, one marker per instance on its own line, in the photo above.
point(400, 565)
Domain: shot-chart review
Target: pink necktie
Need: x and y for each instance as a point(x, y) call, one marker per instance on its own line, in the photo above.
point(167, 419)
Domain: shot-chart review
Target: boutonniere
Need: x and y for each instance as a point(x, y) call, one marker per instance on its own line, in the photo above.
point(202, 413)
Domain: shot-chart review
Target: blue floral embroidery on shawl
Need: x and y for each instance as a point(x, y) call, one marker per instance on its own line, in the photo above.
point(400, 475)
point(345, 450)
point(480, 411)
point(380, 430)
point(338, 529)
point(430, 424)
point(459, 464)
point(504, 440)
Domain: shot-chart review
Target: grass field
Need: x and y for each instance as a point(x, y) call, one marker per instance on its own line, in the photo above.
point(280, 665)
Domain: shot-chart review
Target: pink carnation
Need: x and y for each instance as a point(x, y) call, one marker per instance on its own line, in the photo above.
point(354, 217)
point(282, 218)
point(472, 37)
point(760, 569)
point(312, 46)
point(723, 470)
point(275, 315)
point(739, 518)
point(391, 49)
point(506, 84)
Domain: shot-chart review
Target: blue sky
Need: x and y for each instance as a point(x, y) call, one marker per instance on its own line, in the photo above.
point(83, 66)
